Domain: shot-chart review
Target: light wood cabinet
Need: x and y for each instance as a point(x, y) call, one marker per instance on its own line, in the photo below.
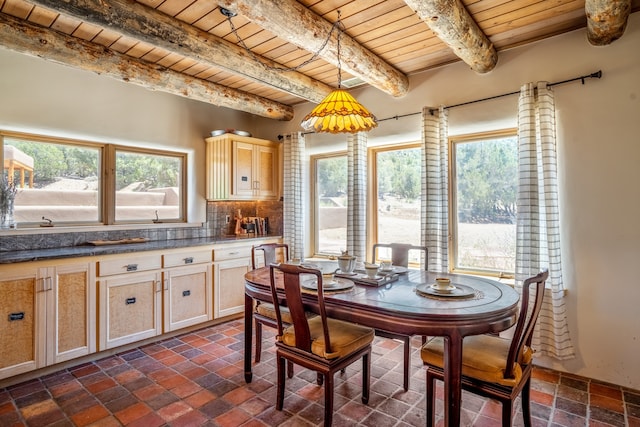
point(230, 264)
point(188, 289)
point(242, 168)
point(47, 315)
point(130, 299)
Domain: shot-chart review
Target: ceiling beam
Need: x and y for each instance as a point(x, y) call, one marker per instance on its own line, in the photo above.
point(606, 20)
point(293, 22)
point(451, 22)
point(143, 23)
point(23, 37)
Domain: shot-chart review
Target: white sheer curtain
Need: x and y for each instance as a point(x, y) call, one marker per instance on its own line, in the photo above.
point(293, 206)
point(357, 195)
point(435, 192)
point(538, 227)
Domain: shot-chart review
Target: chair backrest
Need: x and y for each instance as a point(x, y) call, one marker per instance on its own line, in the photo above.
point(270, 252)
point(290, 279)
point(527, 318)
point(400, 253)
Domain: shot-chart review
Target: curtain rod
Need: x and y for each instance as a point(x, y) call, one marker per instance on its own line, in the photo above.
point(596, 75)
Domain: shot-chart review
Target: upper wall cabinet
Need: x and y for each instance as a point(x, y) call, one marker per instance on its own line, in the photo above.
point(242, 168)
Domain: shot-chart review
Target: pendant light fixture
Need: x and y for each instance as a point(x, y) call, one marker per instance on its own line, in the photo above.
point(339, 112)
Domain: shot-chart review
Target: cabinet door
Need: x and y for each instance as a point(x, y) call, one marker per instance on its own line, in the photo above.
point(229, 286)
point(266, 171)
point(188, 298)
point(22, 322)
point(244, 178)
point(71, 304)
point(129, 308)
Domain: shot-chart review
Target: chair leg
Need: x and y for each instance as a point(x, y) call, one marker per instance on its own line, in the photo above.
point(407, 361)
point(328, 400)
point(281, 380)
point(507, 413)
point(366, 377)
point(526, 403)
point(258, 327)
point(431, 399)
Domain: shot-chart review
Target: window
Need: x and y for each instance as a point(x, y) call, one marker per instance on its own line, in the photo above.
point(69, 182)
point(147, 186)
point(396, 202)
point(483, 183)
point(330, 177)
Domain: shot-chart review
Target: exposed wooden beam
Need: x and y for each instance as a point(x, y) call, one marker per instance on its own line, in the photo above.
point(451, 22)
point(606, 20)
point(143, 23)
point(33, 40)
point(293, 22)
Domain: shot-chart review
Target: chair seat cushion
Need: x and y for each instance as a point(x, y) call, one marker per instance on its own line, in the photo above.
point(267, 309)
point(484, 357)
point(346, 337)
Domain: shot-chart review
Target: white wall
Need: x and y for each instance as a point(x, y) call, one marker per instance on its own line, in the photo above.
point(599, 151)
point(598, 126)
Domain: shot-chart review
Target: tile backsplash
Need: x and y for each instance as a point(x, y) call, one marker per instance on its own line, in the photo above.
point(218, 211)
point(215, 227)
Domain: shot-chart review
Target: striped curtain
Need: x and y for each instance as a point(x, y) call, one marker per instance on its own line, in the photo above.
point(293, 206)
point(357, 195)
point(538, 227)
point(435, 193)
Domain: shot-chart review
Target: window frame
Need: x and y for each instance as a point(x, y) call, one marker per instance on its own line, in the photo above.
point(453, 208)
point(372, 183)
point(106, 171)
point(314, 223)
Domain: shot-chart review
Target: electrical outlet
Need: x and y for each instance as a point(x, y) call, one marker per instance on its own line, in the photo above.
point(227, 219)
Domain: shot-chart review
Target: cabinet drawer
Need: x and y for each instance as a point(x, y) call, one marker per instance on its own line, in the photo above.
point(231, 253)
point(187, 258)
point(130, 264)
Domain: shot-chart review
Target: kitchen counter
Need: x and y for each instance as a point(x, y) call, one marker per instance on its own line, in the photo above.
point(91, 250)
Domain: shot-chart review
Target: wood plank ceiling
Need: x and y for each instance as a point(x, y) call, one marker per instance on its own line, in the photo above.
point(187, 47)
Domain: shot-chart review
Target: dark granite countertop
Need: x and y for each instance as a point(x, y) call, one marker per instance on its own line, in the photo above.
point(11, 257)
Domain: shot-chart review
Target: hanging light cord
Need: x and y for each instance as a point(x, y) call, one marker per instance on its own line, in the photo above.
point(229, 14)
point(338, 46)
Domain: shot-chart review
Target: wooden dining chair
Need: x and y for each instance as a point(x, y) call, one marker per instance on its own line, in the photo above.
point(265, 313)
point(400, 257)
point(399, 253)
point(493, 366)
point(319, 343)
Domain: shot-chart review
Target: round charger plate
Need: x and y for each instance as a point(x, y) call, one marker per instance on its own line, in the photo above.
point(459, 291)
point(395, 269)
point(436, 287)
point(328, 285)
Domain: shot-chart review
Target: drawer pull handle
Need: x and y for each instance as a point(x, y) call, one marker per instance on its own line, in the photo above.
point(130, 301)
point(186, 293)
point(234, 253)
point(16, 316)
point(188, 260)
point(132, 267)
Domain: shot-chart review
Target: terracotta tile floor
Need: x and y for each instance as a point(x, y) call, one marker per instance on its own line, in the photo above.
point(197, 379)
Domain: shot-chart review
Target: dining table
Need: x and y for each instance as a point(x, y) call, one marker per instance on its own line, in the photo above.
point(407, 304)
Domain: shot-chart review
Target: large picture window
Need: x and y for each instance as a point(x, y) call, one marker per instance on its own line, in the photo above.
point(483, 183)
point(69, 182)
point(396, 205)
point(330, 177)
point(147, 186)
